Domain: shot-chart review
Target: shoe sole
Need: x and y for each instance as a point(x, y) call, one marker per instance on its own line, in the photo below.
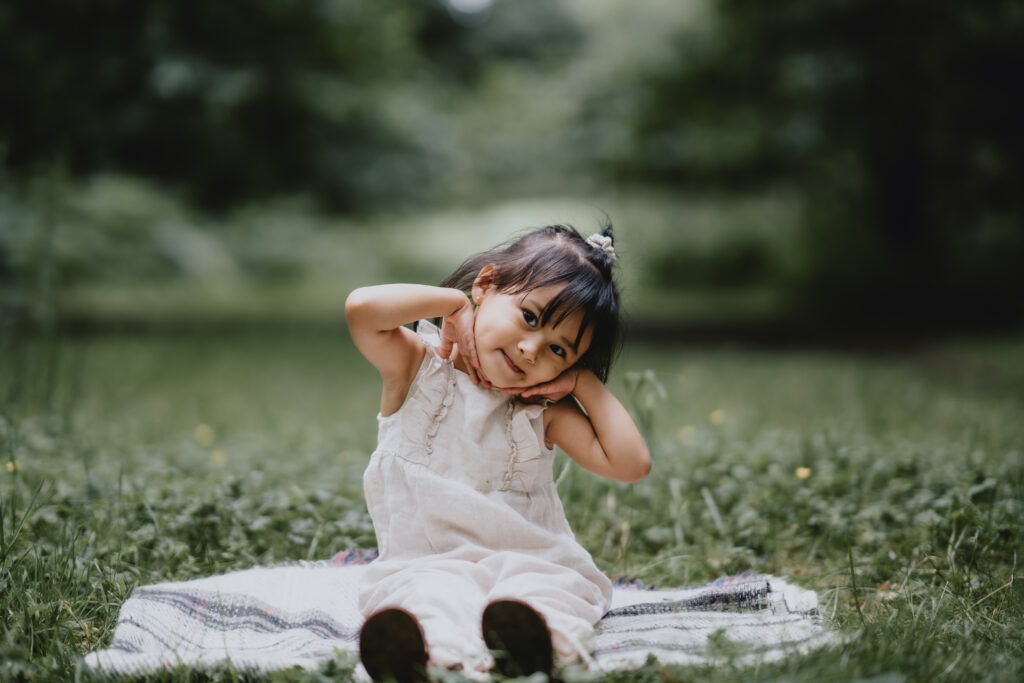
point(519, 637)
point(392, 648)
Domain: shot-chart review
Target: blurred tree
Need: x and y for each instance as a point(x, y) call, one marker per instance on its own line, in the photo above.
point(230, 101)
point(161, 104)
point(899, 122)
point(461, 45)
point(216, 98)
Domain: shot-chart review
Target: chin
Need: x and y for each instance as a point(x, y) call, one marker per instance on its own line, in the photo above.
point(514, 385)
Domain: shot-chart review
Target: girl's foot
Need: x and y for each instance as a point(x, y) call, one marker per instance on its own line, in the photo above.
point(519, 637)
point(392, 648)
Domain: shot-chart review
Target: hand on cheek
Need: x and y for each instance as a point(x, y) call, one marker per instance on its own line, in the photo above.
point(553, 391)
point(458, 340)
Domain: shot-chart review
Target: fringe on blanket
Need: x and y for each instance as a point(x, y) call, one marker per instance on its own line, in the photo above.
point(301, 614)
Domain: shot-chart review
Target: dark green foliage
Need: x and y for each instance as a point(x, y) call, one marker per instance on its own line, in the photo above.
point(462, 46)
point(744, 261)
point(217, 99)
point(234, 101)
point(887, 130)
point(897, 122)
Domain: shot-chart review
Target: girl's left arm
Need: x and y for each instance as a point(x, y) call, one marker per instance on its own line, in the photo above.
point(604, 439)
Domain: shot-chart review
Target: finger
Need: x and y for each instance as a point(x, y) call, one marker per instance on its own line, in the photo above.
point(470, 370)
point(537, 389)
point(483, 377)
point(446, 348)
point(473, 362)
point(471, 356)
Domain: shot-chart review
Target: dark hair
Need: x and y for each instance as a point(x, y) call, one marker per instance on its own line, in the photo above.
point(558, 255)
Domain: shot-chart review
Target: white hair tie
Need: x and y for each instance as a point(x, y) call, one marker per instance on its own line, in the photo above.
point(604, 243)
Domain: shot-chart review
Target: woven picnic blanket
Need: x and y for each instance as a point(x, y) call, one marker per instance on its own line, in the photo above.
point(301, 614)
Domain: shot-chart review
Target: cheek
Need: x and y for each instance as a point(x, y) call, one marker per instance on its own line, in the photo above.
point(549, 371)
point(500, 329)
point(483, 323)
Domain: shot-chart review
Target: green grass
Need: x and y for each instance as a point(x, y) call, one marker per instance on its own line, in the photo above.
point(126, 460)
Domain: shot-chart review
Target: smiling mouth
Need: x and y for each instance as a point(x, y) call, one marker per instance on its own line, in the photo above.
point(515, 368)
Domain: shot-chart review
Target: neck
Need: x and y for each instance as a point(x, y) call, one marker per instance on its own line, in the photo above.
point(459, 362)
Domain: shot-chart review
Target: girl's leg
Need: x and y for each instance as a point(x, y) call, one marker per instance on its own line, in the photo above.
point(569, 604)
point(447, 600)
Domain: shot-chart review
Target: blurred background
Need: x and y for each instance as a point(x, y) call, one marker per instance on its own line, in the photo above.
point(819, 212)
point(785, 170)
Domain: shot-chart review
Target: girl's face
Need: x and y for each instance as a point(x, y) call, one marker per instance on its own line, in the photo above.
point(514, 350)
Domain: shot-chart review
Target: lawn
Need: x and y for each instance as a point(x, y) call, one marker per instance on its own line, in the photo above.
point(889, 480)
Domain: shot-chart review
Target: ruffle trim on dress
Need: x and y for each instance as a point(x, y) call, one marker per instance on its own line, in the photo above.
point(442, 396)
point(525, 451)
point(429, 333)
point(512, 472)
point(442, 410)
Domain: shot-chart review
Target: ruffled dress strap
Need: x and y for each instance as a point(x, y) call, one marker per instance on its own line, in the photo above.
point(429, 333)
point(412, 429)
point(484, 420)
point(439, 393)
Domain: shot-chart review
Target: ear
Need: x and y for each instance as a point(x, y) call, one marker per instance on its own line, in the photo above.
point(484, 283)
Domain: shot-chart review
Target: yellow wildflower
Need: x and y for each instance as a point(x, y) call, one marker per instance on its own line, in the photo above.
point(219, 457)
point(13, 466)
point(205, 435)
point(686, 433)
point(717, 417)
point(803, 472)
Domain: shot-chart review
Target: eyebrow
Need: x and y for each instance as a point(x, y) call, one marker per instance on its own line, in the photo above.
point(574, 346)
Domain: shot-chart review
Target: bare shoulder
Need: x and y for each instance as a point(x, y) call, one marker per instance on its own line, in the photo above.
point(396, 376)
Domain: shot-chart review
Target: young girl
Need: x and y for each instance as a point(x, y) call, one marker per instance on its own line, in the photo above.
point(476, 554)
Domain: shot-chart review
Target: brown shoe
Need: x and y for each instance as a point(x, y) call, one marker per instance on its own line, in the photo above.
point(392, 648)
point(519, 638)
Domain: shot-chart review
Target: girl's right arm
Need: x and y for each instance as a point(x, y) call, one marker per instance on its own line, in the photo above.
point(375, 317)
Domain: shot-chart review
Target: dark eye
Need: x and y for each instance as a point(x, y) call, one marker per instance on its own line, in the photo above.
point(530, 318)
point(558, 350)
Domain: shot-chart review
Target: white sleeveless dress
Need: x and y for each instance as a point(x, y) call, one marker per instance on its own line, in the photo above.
point(464, 506)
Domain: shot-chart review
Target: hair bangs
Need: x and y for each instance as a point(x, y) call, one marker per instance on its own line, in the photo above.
point(579, 294)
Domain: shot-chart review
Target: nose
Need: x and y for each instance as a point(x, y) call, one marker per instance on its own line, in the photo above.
point(529, 346)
